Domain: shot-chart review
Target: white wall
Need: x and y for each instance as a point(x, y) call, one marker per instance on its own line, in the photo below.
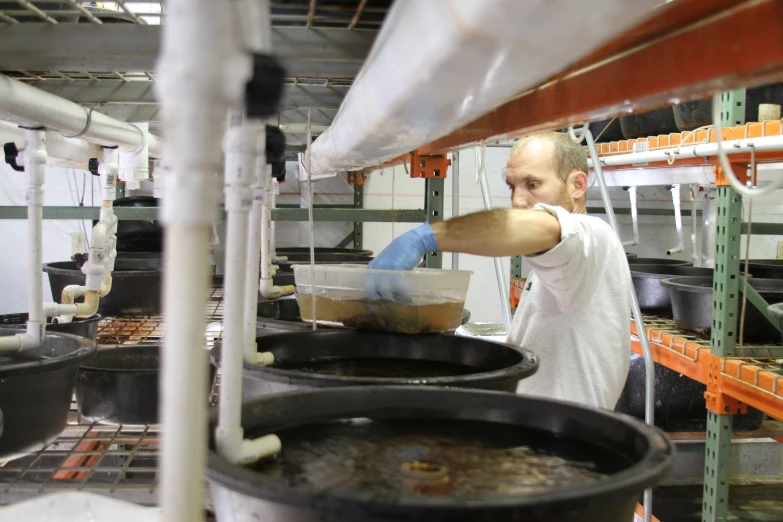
point(61, 189)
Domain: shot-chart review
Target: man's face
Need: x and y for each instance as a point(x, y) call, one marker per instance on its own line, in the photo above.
point(531, 176)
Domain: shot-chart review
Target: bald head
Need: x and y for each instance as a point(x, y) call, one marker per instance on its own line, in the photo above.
point(565, 155)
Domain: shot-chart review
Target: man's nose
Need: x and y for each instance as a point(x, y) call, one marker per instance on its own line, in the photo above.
point(519, 200)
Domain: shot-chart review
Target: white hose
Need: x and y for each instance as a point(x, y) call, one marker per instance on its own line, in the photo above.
point(634, 218)
point(310, 221)
point(735, 183)
point(677, 221)
point(649, 363)
point(481, 172)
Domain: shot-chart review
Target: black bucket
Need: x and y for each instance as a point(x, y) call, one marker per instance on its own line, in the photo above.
point(136, 286)
point(298, 251)
point(138, 235)
point(679, 401)
point(324, 259)
point(416, 454)
point(36, 388)
point(87, 328)
point(692, 307)
point(652, 123)
point(691, 115)
point(664, 261)
point(120, 386)
point(765, 268)
point(328, 359)
point(776, 311)
point(653, 296)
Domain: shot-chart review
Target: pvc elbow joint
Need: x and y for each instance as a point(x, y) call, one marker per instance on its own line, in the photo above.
point(89, 306)
point(233, 447)
point(273, 292)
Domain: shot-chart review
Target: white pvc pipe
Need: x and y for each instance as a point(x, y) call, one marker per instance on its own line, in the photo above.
point(694, 224)
point(701, 150)
point(266, 286)
point(272, 204)
point(35, 168)
point(252, 273)
point(24, 104)
point(677, 221)
point(241, 148)
point(454, 200)
point(61, 152)
point(634, 218)
point(197, 46)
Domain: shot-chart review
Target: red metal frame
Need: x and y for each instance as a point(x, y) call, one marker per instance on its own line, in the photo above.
point(740, 45)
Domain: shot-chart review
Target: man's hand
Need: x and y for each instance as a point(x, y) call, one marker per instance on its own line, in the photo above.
point(404, 253)
point(407, 251)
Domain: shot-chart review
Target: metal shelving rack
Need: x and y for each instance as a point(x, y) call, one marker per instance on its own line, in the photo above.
point(687, 49)
point(734, 379)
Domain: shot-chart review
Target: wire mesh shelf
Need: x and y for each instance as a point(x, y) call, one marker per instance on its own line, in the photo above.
point(120, 461)
point(664, 331)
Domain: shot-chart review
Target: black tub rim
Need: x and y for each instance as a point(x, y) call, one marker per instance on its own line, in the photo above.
point(325, 250)
point(667, 261)
point(659, 271)
point(521, 370)
point(86, 351)
point(117, 273)
point(89, 365)
point(76, 320)
point(703, 285)
point(657, 461)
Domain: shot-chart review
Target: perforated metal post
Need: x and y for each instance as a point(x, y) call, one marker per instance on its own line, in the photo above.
point(433, 204)
point(725, 287)
point(358, 227)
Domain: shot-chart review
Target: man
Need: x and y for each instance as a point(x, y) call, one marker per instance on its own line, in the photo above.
point(576, 306)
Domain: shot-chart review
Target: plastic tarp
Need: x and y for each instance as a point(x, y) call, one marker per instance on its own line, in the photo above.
point(437, 65)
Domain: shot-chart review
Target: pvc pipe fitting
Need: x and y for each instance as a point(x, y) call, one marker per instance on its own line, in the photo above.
point(134, 164)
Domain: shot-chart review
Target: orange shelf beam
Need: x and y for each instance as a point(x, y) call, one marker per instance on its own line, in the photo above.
point(713, 46)
point(729, 380)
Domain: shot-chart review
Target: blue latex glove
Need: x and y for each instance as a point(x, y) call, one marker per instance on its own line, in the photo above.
point(404, 253)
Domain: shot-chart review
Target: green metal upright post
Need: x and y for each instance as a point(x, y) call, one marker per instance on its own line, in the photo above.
point(119, 190)
point(516, 267)
point(433, 204)
point(717, 462)
point(358, 227)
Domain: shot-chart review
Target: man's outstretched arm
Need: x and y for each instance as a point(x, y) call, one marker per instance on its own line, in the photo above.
point(495, 233)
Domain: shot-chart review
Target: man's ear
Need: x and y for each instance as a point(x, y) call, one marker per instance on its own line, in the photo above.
point(577, 182)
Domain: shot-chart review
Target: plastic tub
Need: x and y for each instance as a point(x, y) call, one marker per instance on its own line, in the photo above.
point(402, 301)
point(340, 357)
point(692, 306)
point(120, 386)
point(416, 454)
point(36, 387)
point(136, 286)
point(776, 311)
point(657, 261)
point(87, 328)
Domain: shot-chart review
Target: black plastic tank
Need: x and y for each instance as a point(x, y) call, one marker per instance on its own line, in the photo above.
point(419, 454)
point(333, 358)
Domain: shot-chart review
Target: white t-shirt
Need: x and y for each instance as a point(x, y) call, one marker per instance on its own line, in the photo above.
point(575, 314)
